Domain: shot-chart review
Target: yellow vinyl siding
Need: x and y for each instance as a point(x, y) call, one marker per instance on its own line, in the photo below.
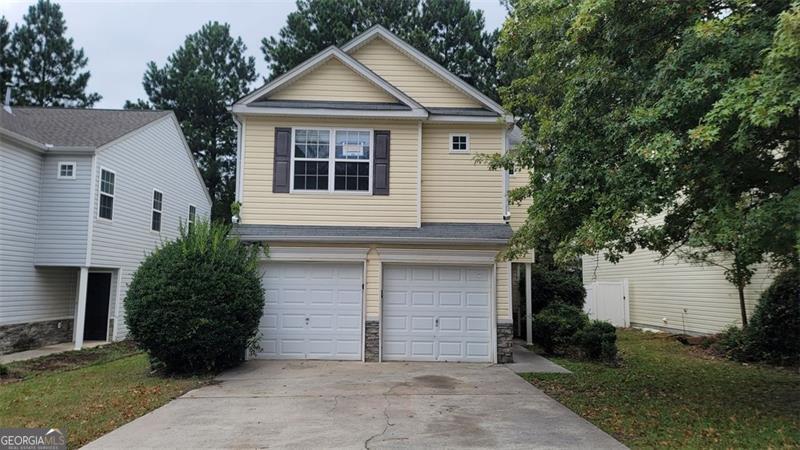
point(333, 81)
point(519, 212)
point(261, 206)
point(502, 286)
point(661, 290)
point(407, 75)
point(373, 285)
point(454, 188)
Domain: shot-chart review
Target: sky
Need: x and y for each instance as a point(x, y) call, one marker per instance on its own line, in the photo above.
point(121, 37)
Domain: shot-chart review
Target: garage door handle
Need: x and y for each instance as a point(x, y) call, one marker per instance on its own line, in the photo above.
point(437, 322)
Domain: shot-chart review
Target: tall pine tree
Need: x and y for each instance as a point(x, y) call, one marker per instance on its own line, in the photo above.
point(48, 70)
point(448, 31)
point(206, 74)
point(6, 60)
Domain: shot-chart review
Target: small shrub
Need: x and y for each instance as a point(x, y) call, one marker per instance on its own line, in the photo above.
point(553, 327)
point(598, 341)
point(773, 334)
point(552, 286)
point(732, 343)
point(4, 372)
point(195, 303)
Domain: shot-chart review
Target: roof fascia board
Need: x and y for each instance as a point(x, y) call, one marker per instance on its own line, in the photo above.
point(25, 141)
point(424, 60)
point(320, 112)
point(374, 240)
point(320, 58)
point(466, 119)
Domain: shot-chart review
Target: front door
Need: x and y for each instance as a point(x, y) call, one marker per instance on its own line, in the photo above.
point(97, 296)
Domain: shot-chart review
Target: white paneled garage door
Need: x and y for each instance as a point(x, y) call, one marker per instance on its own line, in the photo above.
point(436, 313)
point(312, 311)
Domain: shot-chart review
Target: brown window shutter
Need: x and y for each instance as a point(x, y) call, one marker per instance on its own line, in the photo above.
point(283, 158)
point(380, 180)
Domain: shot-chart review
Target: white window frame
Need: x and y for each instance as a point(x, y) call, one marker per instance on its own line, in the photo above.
point(189, 219)
point(67, 163)
point(100, 193)
point(450, 143)
point(159, 211)
point(332, 160)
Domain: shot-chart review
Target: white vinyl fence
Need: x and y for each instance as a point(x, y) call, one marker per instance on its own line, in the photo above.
point(608, 300)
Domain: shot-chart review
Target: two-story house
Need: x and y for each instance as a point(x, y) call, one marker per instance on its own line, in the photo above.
point(85, 194)
point(357, 168)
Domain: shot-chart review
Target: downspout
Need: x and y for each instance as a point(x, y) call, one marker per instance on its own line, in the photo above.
point(239, 156)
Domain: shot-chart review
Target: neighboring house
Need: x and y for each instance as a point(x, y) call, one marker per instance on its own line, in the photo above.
point(357, 168)
point(672, 294)
point(85, 195)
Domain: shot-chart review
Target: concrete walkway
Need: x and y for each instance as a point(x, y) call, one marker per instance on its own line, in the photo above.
point(47, 350)
point(527, 361)
point(315, 404)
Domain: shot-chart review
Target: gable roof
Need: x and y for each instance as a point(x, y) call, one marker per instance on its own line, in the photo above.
point(331, 52)
point(425, 61)
point(72, 127)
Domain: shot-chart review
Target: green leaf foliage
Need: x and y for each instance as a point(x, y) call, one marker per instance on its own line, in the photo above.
point(199, 81)
point(686, 111)
point(550, 286)
point(43, 64)
point(195, 303)
point(448, 31)
point(555, 326)
point(597, 341)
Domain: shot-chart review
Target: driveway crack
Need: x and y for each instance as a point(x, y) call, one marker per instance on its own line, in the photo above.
point(388, 424)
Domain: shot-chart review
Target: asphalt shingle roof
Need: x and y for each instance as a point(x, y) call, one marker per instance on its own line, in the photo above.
point(464, 233)
point(72, 127)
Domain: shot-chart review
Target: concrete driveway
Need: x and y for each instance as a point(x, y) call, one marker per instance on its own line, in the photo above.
point(313, 404)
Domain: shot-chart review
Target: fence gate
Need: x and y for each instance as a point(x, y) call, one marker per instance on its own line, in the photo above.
point(608, 300)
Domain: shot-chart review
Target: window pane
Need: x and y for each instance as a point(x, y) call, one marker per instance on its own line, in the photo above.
point(157, 198)
point(155, 225)
point(351, 176)
point(106, 206)
point(107, 182)
point(311, 175)
point(352, 145)
point(311, 143)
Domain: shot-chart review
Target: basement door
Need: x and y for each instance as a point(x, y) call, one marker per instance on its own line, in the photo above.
point(312, 311)
point(436, 313)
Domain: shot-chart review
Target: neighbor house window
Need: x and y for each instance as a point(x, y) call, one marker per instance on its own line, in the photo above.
point(314, 161)
point(459, 143)
point(192, 216)
point(66, 170)
point(106, 209)
point(155, 221)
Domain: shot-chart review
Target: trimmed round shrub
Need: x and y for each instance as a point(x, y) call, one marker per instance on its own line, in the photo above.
point(773, 334)
point(554, 286)
point(598, 341)
point(194, 304)
point(554, 326)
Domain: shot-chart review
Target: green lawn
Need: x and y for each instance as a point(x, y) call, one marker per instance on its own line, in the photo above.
point(87, 396)
point(667, 395)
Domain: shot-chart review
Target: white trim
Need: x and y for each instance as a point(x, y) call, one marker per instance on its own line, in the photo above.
point(437, 256)
point(321, 254)
point(154, 210)
point(364, 310)
point(493, 313)
point(239, 156)
point(80, 309)
point(119, 315)
point(506, 180)
point(320, 58)
point(321, 112)
point(458, 151)
point(189, 219)
point(419, 174)
point(528, 304)
point(74, 165)
point(101, 193)
point(332, 160)
point(380, 309)
point(423, 60)
point(466, 119)
point(93, 185)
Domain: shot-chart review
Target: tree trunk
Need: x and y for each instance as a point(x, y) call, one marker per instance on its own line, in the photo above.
point(742, 306)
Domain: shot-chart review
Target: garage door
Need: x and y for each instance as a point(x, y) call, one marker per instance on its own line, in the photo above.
point(312, 311)
point(436, 313)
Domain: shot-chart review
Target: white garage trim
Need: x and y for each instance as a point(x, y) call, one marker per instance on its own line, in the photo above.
point(332, 254)
point(437, 256)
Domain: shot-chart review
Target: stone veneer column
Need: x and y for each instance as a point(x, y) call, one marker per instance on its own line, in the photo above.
point(505, 338)
point(372, 340)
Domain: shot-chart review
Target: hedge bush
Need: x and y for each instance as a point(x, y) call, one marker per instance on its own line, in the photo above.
point(553, 286)
point(554, 327)
point(598, 341)
point(194, 304)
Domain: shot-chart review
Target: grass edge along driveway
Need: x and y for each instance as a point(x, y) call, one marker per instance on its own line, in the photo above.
point(88, 400)
point(669, 395)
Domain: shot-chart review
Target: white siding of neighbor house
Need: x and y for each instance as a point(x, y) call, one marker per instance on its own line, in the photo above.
point(152, 158)
point(63, 212)
point(659, 290)
point(27, 293)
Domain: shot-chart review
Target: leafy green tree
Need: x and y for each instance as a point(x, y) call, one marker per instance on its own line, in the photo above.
point(682, 111)
point(448, 31)
point(6, 58)
point(206, 74)
point(47, 69)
